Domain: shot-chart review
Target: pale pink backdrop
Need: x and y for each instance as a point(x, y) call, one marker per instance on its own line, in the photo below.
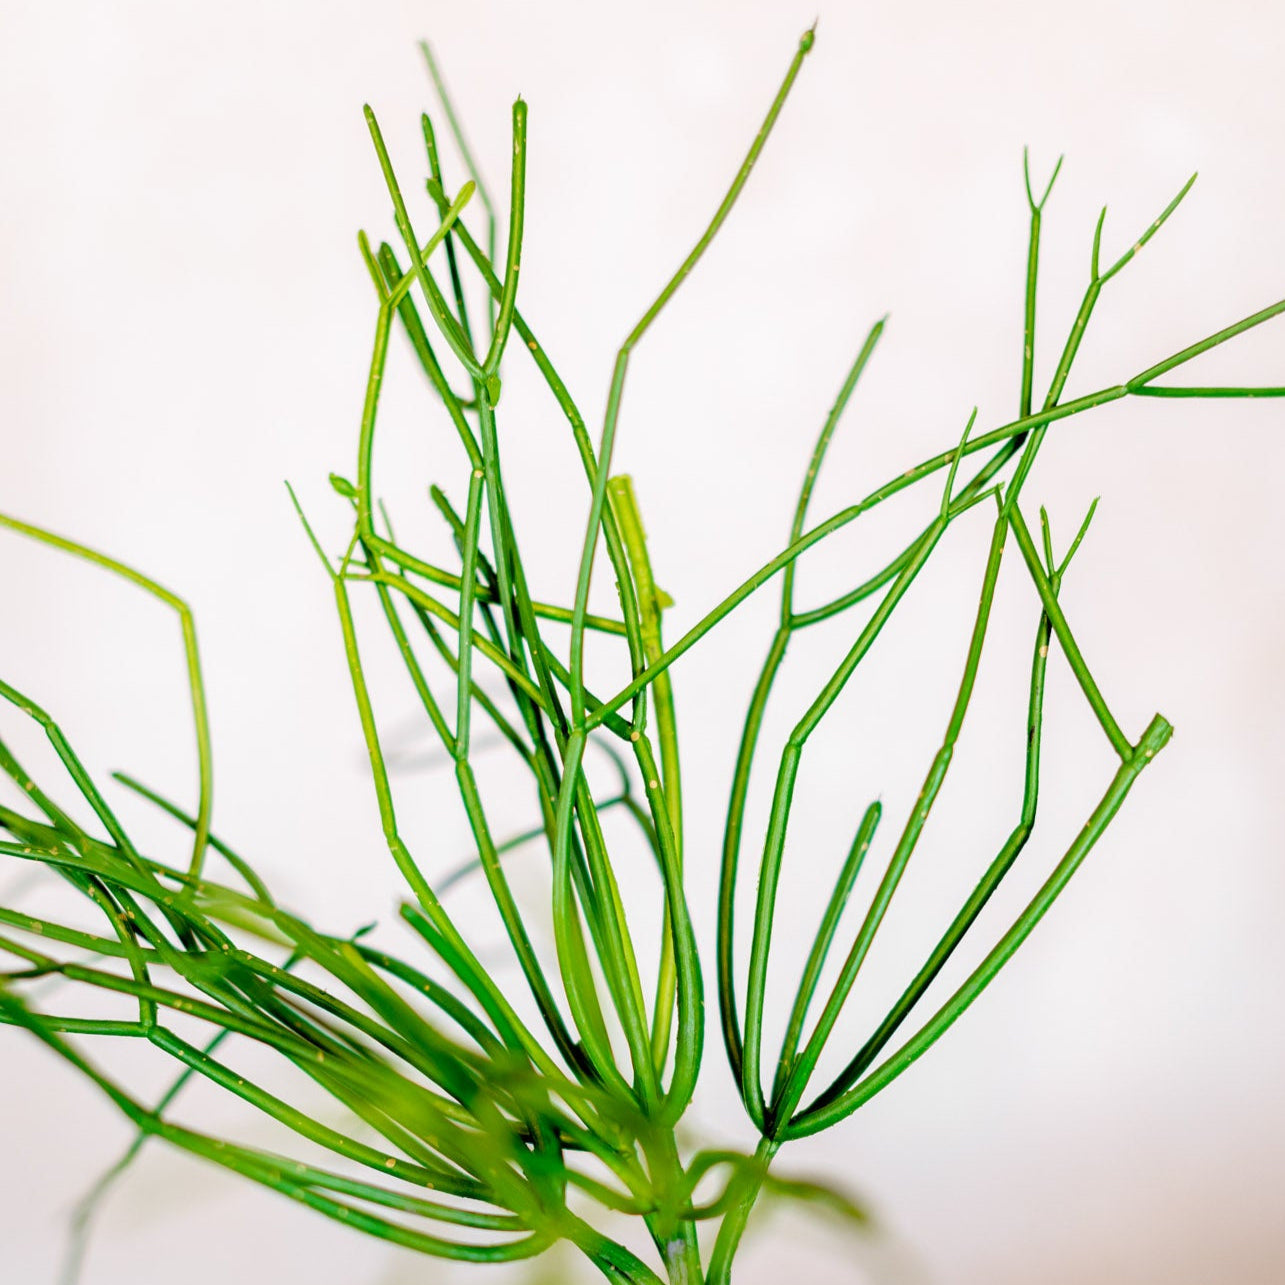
point(185, 322)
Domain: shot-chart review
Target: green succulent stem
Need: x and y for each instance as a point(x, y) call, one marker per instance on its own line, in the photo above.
point(489, 1092)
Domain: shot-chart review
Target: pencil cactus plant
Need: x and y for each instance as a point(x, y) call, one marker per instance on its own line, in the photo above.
point(486, 1126)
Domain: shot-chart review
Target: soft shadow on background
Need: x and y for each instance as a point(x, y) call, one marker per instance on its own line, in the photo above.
point(186, 322)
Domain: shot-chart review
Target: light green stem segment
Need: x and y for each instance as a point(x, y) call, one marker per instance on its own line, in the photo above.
point(191, 656)
point(747, 1186)
point(652, 601)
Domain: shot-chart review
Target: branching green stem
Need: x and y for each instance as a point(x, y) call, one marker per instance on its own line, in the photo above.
point(509, 1114)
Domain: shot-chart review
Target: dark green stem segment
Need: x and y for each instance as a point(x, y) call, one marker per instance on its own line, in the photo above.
point(1152, 741)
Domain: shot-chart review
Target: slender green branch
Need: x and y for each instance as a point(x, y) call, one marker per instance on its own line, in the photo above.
point(468, 1131)
point(191, 655)
point(1149, 745)
point(622, 364)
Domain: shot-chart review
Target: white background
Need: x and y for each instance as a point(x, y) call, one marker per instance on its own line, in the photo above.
point(186, 322)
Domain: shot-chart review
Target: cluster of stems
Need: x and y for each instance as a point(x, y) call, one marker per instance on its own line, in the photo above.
point(484, 1127)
